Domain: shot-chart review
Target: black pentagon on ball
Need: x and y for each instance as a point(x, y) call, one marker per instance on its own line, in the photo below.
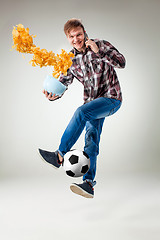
point(85, 154)
point(84, 169)
point(73, 159)
point(70, 173)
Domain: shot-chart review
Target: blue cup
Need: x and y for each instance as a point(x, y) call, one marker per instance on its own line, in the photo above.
point(52, 85)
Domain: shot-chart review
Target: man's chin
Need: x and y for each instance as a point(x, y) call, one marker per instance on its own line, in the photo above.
point(80, 49)
point(77, 47)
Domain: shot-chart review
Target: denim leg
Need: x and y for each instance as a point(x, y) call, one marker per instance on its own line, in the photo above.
point(96, 109)
point(92, 136)
point(92, 139)
point(72, 132)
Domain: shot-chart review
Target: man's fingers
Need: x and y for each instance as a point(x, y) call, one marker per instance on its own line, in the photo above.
point(52, 97)
point(45, 92)
point(49, 95)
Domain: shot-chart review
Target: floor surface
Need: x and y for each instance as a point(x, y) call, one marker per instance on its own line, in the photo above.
point(124, 208)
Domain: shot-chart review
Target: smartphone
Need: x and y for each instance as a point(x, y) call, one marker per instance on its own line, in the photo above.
point(85, 36)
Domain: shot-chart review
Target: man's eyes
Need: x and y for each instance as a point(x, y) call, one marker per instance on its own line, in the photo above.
point(77, 35)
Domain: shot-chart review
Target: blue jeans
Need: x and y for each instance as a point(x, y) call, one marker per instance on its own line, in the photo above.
point(90, 115)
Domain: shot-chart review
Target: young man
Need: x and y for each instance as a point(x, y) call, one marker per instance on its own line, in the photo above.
point(93, 65)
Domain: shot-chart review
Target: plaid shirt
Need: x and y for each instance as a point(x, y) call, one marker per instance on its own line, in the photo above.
point(96, 71)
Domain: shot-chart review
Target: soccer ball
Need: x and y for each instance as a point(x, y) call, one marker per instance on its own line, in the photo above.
point(76, 163)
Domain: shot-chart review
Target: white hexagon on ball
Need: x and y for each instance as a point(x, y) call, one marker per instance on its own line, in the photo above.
point(76, 163)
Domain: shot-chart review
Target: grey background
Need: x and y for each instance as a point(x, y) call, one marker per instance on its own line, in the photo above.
point(35, 200)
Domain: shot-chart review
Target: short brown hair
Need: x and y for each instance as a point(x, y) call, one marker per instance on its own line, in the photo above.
point(72, 23)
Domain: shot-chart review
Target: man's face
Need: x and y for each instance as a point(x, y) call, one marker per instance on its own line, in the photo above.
point(76, 38)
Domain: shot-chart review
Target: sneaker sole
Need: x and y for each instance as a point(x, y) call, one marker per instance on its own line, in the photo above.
point(78, 190)
point(46, 161)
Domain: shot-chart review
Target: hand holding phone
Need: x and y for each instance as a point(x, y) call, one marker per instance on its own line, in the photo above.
point(90, 43)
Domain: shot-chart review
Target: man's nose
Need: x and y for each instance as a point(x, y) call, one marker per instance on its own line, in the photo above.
point(75, 38)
